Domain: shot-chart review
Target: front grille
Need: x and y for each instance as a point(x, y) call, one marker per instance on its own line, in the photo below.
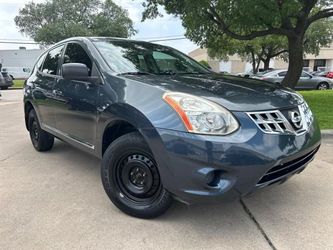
point(272, 122)
point(278, 172)
point(295, 120)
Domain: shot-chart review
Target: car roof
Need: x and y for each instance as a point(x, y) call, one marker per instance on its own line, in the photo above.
point(95, 39)
point(276, 71)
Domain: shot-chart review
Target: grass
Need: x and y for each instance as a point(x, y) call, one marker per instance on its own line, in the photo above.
point(18, 83)
point(321, 104)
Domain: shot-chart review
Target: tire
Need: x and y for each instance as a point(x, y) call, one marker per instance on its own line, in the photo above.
point(131, 179)
point(41, 140)
point(4, 88)
point(323, 86)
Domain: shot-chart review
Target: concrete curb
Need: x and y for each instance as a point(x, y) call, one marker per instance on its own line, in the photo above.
point(327, 133)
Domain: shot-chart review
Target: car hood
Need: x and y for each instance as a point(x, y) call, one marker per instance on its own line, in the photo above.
point(234, 93)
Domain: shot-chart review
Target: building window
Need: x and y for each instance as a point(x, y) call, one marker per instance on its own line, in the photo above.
point(319, 65)
point(306, 63)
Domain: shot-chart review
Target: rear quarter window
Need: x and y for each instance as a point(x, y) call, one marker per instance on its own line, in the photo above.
point(282, 74)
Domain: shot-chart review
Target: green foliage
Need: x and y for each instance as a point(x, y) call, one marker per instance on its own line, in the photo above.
point(18, 83)
point(321, 103)
point(240, 19)
point(56, 20)
point(263, 49)
point(319, 34)
point(258, 50)
point(210, 22)
point(204, 63)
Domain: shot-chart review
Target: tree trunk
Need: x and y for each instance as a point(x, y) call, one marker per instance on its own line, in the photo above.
point(257, 67)
point(254, 70)
point(266, 63)
point(295, 47)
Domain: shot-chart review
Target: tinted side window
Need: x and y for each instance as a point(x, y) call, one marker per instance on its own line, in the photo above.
point(76, 54)
point(39, 63)
point(51, 62)
point(282, 74)
point(304, 74)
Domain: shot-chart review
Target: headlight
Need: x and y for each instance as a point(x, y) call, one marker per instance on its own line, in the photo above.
point(200, 115)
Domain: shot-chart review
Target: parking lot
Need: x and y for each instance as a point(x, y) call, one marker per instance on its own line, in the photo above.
point(56, 200)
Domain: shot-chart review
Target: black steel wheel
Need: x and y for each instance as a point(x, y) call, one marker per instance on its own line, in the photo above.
point(131, 178)
point(137, 176)
point(41, 140)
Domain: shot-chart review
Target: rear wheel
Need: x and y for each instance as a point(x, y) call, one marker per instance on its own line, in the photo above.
point(131, 178)
point(41, 140)
point(323, 86)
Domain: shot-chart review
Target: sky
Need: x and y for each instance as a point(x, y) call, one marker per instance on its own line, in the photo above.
point(163, 27)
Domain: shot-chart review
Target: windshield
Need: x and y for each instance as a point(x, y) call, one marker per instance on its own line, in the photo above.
point(146, 58)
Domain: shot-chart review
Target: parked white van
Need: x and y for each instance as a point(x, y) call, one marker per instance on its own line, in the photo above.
point(17, 72)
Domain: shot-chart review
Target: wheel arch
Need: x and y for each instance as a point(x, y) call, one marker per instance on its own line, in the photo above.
point(125, 115)
point(114, 130)
point(120, 119)
point(28, 106)
point(323, 82)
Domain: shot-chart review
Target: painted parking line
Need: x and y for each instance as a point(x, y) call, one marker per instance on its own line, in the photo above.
point(8, 103)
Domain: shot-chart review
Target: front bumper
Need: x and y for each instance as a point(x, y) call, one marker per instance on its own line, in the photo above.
point(200, 168)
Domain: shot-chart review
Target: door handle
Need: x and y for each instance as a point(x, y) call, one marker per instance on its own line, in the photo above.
point(57, 92)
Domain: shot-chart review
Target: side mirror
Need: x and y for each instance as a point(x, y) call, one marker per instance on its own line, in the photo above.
point(75, 71)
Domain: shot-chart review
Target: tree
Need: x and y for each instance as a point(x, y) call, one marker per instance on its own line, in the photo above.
point(255, 51)
point(204, 63)
point(55, 20)
point(264, 49)
point(247, 20)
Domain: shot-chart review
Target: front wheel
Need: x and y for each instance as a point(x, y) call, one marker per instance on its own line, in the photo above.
point(322, 86)
point(131, 178)
point(41, 140)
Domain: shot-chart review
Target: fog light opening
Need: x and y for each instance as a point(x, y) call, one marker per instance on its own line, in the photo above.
point(214, 178)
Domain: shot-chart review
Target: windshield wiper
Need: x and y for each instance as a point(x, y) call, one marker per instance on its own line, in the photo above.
point(167, 72)
point(136, 73)
point(170, 72)
point(194, 73)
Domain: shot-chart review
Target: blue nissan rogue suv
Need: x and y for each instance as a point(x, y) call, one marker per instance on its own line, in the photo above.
point(164, 126)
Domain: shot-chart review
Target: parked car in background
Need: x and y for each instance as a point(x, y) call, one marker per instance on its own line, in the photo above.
point(5, 81)
point(327, 74)
point(2, 80)
point(17, 72)
point(249, 73)
point(306, 81)
point(165, 126)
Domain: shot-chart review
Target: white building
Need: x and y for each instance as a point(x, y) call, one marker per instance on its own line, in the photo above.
point(19, 58)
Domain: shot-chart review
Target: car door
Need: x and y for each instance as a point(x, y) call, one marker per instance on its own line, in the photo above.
point(76, 109)
point(305, 81)
point(43, 82)
point(280, 76)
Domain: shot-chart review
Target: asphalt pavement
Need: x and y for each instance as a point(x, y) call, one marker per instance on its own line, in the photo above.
point(55, 200)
